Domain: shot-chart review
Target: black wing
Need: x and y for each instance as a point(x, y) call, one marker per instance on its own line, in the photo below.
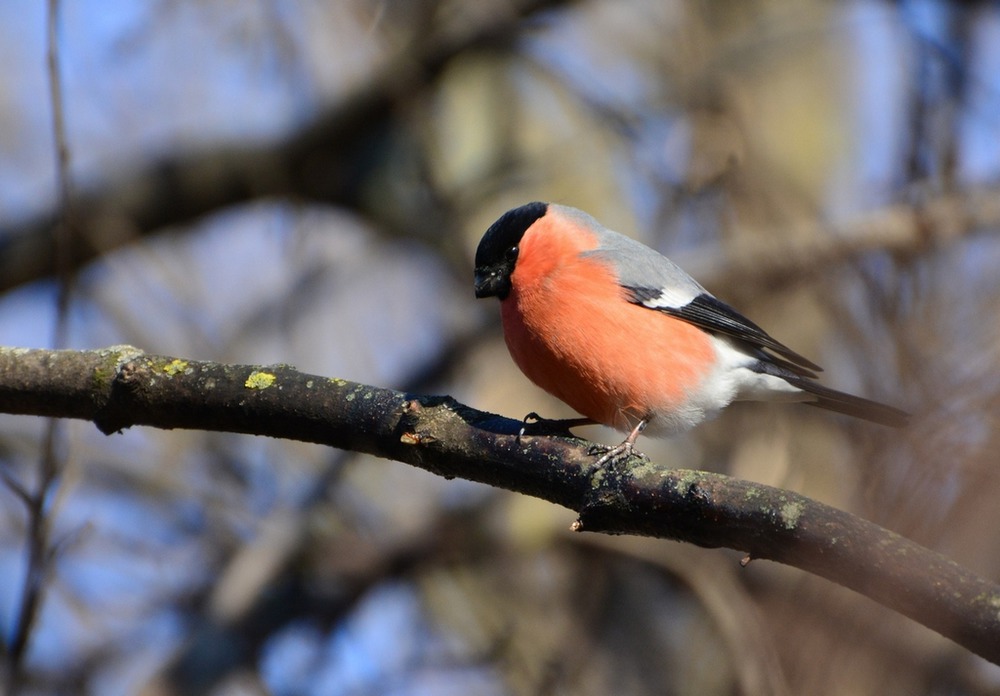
point(714, 315)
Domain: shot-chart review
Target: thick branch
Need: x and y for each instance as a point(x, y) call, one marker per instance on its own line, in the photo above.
point(120, 387)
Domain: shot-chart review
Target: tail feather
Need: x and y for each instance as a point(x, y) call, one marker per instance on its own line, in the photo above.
point(848, 404)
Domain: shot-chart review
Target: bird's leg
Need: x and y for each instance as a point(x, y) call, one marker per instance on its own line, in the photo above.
point(625, 448)
point(533, 424)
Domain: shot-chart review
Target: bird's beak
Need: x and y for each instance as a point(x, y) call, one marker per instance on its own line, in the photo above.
point(485, 284)
point(491, 284)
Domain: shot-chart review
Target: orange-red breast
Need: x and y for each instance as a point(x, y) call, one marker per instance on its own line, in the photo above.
point(627, 338)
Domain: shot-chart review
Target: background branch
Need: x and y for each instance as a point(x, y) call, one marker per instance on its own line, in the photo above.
point(322, 162)
point(120, 387)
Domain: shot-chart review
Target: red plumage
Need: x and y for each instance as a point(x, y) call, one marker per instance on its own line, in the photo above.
point(626, 337)
point(571, 330)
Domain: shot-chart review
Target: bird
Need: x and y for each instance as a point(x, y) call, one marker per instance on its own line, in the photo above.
point(629, 340)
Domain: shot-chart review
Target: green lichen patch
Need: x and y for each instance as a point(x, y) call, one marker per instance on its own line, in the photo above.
point(791, 512)
point(259, 380)
point(992, 600)
point(175, 367)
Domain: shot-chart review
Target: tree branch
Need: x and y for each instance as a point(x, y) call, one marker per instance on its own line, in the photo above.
point(121, 386)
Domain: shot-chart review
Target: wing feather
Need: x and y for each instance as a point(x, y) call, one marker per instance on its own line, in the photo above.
point(714, 315)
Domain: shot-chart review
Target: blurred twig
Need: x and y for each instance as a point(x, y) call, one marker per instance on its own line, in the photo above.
point(905, 230)
point(37, 502)
point(756, 662)
point(264, 589)
point(121, 387)
point(325, 161)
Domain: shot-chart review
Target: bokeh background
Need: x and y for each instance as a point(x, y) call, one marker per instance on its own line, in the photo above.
point(306, 182)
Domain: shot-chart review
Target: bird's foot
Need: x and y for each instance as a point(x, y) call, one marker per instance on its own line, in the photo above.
point(613, 455)
point(623, 451)
point(533, 424)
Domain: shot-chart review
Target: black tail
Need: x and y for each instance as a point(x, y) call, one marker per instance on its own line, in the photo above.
point(848, 404)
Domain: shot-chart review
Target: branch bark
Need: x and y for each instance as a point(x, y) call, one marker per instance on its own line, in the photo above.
point(120, 387)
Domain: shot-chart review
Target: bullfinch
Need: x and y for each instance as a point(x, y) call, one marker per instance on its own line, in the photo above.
point(628, 339)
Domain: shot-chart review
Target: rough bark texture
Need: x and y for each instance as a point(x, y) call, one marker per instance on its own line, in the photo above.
point(120, 387)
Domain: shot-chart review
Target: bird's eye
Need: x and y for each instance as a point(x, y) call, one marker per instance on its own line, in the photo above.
point(511, 254)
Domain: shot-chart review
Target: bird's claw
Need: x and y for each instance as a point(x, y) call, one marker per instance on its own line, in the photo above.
point(614, 454)
point(534, 424)
point(626, 449)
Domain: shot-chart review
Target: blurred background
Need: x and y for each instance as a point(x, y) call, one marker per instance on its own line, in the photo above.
point(306, 182)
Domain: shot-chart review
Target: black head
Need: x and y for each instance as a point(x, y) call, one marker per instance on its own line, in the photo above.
point(498, 249)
